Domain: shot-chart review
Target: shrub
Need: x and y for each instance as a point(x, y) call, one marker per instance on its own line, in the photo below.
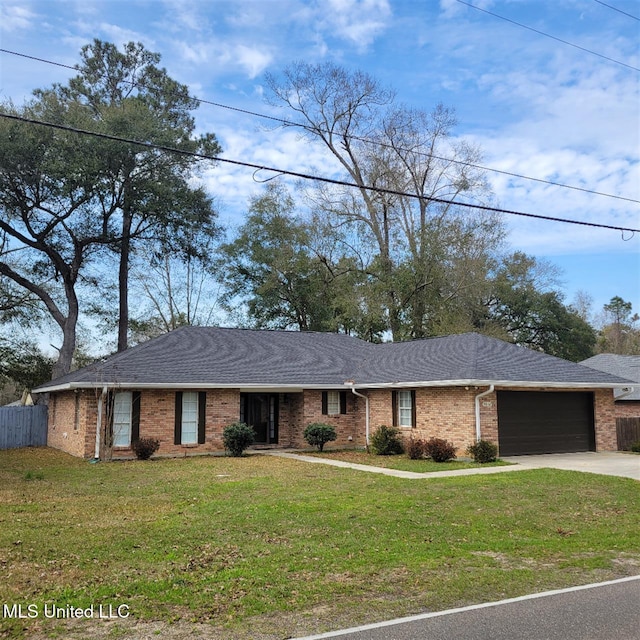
point(237, 437)
point(635, 447)
point(318, 433)
point(144, 448)
point(483, 451)
point(439, 450)
point(386, 441)
point(415, 448)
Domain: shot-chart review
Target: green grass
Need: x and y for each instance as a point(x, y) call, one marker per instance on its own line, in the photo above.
point(290, 548)
point(401, 462)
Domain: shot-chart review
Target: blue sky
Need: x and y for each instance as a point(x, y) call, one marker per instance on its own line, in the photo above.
point(536, 106)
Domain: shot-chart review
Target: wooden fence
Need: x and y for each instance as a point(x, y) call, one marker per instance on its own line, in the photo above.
point(23, 427)
point(628, 431)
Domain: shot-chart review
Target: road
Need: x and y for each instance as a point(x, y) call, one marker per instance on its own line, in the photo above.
point(605, 611)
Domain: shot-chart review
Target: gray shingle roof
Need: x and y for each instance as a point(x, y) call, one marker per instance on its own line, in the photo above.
point(617, 365)
point(209, 356)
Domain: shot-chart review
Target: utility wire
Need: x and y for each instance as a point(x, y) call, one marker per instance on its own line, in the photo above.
point(604, 4)
point(547, 35)
point(289, 123)
point(306, 176)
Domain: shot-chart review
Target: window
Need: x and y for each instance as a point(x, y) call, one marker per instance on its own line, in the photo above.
point(334, 402)
point(122, 405)
point(404, 408)
point(190, 417)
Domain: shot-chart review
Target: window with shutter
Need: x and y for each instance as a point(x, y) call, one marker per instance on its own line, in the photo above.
point(189, 425)
point(122, 404)
point(405, 409)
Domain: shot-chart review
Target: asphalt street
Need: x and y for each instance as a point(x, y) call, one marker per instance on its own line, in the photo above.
point(607, 611)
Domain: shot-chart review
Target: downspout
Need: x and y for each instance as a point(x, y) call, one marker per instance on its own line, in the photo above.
point(366, 417)
point(481, 395)
point(96, 454)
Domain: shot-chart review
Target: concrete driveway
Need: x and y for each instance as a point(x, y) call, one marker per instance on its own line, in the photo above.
point(609, 463)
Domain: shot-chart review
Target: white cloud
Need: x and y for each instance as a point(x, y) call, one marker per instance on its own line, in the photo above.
point(282, 149)
point(357, 21)
point(225, 58)
point(253, 61)
point(15, 18)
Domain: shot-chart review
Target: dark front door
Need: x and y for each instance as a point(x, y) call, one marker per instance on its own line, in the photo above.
point(260, 411)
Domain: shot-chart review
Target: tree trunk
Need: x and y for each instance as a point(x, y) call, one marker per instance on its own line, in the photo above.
point(68, 326)
point(123, 280)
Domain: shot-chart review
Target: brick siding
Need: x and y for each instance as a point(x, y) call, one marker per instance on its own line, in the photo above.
point(443, 412)
point(628, 409)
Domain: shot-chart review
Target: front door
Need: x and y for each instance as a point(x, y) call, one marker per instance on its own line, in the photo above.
point(260, 411)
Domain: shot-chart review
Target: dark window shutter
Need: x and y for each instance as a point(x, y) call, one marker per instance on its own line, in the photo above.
point(202, 412)
point(135, 416)
point(109, 409)
point(394, 408)
point(325, 403)
point(343, 402)
point(413, 408)
point(177, 434)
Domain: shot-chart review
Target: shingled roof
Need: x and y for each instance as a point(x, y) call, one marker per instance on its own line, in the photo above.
point(201, 357)
point(618, 365)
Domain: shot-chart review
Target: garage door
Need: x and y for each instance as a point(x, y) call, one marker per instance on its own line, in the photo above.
point(533, 422)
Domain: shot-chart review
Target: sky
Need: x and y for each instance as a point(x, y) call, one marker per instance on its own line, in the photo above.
point(558, 101)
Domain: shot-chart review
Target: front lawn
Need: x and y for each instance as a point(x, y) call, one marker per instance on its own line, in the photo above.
point(270, 547)
point(401, 462)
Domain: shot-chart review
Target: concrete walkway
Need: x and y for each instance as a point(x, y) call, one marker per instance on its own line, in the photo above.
point(607, 463)
point(391, 472)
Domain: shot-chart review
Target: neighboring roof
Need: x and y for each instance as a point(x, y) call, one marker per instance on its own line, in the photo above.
point(219, 357)
point(617, 365)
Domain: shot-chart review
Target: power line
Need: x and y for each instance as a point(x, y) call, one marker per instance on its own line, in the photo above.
point(547, 35)
point(306, 176)
point(290, 123)
point(604, 4)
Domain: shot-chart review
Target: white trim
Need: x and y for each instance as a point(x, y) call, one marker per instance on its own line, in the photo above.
point(70, 386)
point(473, 607)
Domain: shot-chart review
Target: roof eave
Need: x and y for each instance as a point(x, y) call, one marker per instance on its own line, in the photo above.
point(288, 388)
point(496, 383)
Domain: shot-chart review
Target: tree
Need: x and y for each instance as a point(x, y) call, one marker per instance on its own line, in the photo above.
point(48, 200)
point(388, 150)
point(619, 333)
point(273, 267)
point(127, 94)
point(171, 292)
point(23, 364)
point(533, 315)
point(68, 200)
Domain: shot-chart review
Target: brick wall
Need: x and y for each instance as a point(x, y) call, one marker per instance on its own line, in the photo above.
point(441, 412)
point(628, 409)
point(605, 420)
point(306, 408)
point(72, 422)
point(157, 420)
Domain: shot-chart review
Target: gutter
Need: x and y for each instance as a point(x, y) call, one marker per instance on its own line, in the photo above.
point(366, 417)
point(296, 388)
point(625, 392)
point(477, 401)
